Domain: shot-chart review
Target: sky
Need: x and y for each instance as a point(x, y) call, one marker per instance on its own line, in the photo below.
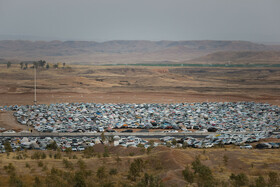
point(104, 20)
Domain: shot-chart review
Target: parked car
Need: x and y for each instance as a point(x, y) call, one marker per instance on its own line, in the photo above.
point(128, 130)
point(247, 146)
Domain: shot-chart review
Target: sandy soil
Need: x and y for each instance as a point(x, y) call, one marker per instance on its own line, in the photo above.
point(8, 121)
point(132, 84)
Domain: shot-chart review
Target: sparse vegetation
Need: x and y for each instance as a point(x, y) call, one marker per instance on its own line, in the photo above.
point(38, 155)
point(239, 179)
point(188, 175)
point(136, 167)
point(156, 169)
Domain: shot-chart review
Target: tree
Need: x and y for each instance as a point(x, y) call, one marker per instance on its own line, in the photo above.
point(188, 175)
point(41, 63)
point(174, 142)
point(106, 152)
point(204, 174)
point(52, 146)
point(47, 66)
point(55, 66)
point(136, 167)
point(68, 151)
point(26, 65)
point(35, 64)
point(21, 65)
point(150, 181)
point(63, 65)
point(8, 147)
point(103, 138)
point(151, 143)
point(9, 64)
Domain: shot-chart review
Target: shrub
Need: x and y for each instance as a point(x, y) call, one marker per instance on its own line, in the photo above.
point(52, 146)
point(106, 152)
point(57, 155)
point(10, 168)
point(40, 164)
point(79, 180)
point(45, 168)
point(8, 147)
point(37, 182)
point(89, 152)
point(38, 155)
point(239, 180)
point(15, 181)
point(27, 165)
point(81, 164)
point(101, 173)
point(273, 179)
point(260, 182)
point(67, 164)
point(113, 171)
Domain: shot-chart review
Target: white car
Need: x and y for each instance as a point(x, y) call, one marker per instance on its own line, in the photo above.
point(80, 148)
point(9, 131)
point(246, 147)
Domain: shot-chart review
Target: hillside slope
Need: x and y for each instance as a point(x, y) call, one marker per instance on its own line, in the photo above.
point(120, 51)
point(237, 57)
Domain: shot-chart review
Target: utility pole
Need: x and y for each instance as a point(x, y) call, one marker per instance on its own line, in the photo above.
point(35, 96)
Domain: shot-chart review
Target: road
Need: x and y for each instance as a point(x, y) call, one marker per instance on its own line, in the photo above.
point(138, 134)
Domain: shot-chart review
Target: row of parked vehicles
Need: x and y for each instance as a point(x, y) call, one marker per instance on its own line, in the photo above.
point(93, 117)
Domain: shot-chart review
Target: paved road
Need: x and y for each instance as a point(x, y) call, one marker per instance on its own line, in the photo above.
point(138, 134)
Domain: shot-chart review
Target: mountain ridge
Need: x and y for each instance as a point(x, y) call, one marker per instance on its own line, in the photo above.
point(122, 51)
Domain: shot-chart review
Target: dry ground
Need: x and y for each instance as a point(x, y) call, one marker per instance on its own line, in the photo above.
point(133, 84)
point(8, 121)
point(162, 161)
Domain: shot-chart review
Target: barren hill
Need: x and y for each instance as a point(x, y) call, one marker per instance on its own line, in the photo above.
point(120, 51)
point(238, 57)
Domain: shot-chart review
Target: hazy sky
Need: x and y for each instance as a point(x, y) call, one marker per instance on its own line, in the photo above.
point(102, 20)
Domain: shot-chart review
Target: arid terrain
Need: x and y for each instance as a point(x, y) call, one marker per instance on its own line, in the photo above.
point(162, 162)
point(139, 84)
